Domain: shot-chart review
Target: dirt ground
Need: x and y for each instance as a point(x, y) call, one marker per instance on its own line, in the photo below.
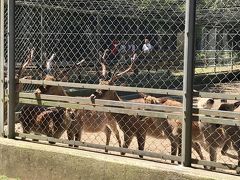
point(161, 145)
point(152, 145)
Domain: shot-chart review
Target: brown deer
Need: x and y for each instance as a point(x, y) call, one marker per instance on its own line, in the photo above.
point(231, 136)
point(176, 125)
point(77, 121)
point(209, 136)
point(39, 119)
point(18, 76)
point(132, 126)
point(43, 120)
point(29, 113)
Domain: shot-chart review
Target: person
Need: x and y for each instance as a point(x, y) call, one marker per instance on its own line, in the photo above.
point(114, 47)
point(123, 47)
point(131, 47)
point(122, 50)
point(114, 52)
point(147, 47)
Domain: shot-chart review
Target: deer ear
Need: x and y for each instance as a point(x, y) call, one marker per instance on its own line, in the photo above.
point(237, 104)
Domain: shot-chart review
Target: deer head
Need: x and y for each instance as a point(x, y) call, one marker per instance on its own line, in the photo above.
point(63, 75)
point(206, 103)
point(229, 106)
point(106, 94)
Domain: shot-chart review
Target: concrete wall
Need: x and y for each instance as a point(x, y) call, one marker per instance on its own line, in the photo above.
point(32, 161)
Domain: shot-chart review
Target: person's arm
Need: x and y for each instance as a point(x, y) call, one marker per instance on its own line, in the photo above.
point(151, 47)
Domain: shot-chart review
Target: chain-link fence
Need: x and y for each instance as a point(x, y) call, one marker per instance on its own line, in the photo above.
point(115, 69)
point(217, 71)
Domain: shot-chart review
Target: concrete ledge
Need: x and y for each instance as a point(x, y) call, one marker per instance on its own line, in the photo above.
point(33, 161)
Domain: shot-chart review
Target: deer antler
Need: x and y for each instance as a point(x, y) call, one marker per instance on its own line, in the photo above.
point(116, 76)
point(24, 65)
point(49, 62)
point(102, 60)
point(105, 54)
point(80, 63)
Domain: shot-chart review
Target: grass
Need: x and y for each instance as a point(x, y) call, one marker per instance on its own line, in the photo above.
point(7, 178)
point(208, 70)
point(211, 70)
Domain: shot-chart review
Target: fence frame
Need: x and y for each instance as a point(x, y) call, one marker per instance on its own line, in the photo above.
point(189, 53)
point(2, 62)
point(11, 70)
point(187, 94)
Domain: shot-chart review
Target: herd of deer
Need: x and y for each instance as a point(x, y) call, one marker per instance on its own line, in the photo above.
point(54, 121)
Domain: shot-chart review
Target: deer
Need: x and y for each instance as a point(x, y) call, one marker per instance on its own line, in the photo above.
point(230, 136)
point(204, 134)
point(39, 119)
point(77, 120)
point(28, 116)
point(132, 126)
point(18, 76)
point(176, 125)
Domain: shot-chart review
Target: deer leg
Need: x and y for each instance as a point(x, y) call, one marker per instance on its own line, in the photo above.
point(238, 168)
point(174, 140)
point(236, 146)
point(116, 132)
point(225, 147)
point(58, 130)
point(141, 142)
point(213, 155)
point(48, 135)
point(70, 136)
point(51, 142)
point(196, 146)
point(78, 136)
point(26, 129)
point(108, 133)
point(179, 146)
point(51, 134)
point(127, 140)
point(177, 132)
point(35, 140)
point(174, 146)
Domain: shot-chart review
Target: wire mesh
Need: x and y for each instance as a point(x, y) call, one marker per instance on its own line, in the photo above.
point(125, 43)
point(217, 57)
point(78, 30)
point(67, 41)
point(219, 142)
point(216, 70)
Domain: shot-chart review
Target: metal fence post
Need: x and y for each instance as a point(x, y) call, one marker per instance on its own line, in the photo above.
point(11, 69)
point(189, 57)
point(2, 99)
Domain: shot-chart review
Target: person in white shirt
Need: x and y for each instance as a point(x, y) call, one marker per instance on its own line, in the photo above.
point(147, 47)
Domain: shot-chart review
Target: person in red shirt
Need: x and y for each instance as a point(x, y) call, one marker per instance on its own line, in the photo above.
point(114, 47)
point(114, 51)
